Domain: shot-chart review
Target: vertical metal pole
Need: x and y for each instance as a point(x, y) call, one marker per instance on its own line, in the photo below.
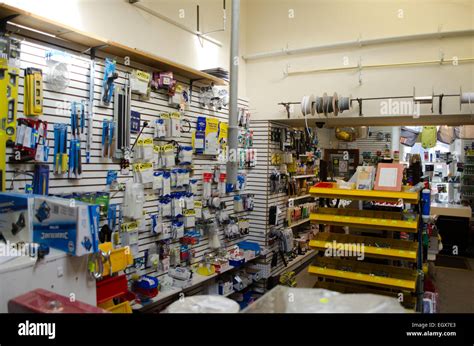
point(233, 133)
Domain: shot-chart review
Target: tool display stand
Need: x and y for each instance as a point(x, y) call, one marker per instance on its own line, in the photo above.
point(381, 263)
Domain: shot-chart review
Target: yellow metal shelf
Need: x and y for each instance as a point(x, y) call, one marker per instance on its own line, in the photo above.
point(390, 221)
point(366, 273)
point(409, 299)
point(373, 247)
point(368, 195)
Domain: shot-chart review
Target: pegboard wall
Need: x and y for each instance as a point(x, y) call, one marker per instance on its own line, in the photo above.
point(57, 110)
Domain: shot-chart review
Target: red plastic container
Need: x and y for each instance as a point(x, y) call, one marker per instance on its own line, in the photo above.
point(43, 301)
point(113, 287)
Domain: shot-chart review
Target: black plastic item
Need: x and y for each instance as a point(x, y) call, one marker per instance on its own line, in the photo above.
point(454, 233)
point(323, 170)
point(272, 215)
point(105, 234)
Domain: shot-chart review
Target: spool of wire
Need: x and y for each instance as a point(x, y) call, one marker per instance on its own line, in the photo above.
point(325, 104)
point(465, 98)
point(318, 105)
point(344, 103)
point(335, 104)
point(329, 105)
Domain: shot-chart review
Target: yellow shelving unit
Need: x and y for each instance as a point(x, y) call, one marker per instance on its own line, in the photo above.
point(389, 221)
point(366, 273)
point(398, 272)
point(373, 246)
point(368, 195)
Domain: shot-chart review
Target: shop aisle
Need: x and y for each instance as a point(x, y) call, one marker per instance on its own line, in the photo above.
point(455, 287)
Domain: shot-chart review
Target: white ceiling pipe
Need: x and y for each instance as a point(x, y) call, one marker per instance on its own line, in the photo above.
point(173, 22)
point(359, 43)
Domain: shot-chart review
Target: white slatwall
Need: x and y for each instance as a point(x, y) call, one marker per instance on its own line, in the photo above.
point(262, 141)
point(370, 144)
point(94, 173)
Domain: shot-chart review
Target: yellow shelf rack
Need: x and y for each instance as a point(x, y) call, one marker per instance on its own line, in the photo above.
point(373, 246)
point(409, 299)
point(366, 273)
point(368, 195)
point(390, 221)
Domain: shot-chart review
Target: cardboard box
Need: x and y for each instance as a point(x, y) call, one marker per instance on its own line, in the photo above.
point(67, 225)
point(16, 217)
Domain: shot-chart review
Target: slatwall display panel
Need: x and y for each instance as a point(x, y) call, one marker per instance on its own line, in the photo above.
point(56, 110)
point(371, 143)
point(257, 183)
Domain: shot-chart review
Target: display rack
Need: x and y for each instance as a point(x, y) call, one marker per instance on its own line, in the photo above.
point(402, 258)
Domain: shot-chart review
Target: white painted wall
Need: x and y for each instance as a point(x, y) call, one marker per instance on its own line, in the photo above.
point(319, 22)
point(119, 21)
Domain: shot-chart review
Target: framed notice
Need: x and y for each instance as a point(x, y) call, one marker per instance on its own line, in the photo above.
point(389, 177)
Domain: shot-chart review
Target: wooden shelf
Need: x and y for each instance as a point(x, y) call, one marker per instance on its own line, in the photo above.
point(366, 273)
point(65, 32)
point(390, 221)
point(351, 121)
point(367, 195)
point(393, 249)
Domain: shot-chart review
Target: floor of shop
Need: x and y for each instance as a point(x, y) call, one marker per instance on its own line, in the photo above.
point(455, 287)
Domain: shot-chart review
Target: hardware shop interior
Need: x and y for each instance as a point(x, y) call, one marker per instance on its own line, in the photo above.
point(196, 157)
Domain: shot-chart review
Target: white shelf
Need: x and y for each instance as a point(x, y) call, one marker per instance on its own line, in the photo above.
point(299, 197)
point(299, 223)
point(295, 262)
point(196, 280)
point(304, 176)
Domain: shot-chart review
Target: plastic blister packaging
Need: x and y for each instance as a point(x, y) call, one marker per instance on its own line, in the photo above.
point(316, 300)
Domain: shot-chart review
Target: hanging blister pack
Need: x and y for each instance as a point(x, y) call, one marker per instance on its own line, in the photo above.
point(177, 229)
point(140, 83)
point(165, 206)
point(189, 218)
point(188, 200)
point(193, 186)
point(207, 185)
point(159, 129)
point(158, 181)
point(221, 185)
point(198, 209)
point(156, 224)
point(241, 180)
point(166, 189)
point(157, 162)
point(167, 156)
point(199, 136)
point(174, 178)
point(185, 155)
point(134, 200)
point(108, 85)
point(167, 231)
point(107, 138)
point(143, 173)
point(144, 149)
point(238, 204)
point(174, 128)
point(177, 204)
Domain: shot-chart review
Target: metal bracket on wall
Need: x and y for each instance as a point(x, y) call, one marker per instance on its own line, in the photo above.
point(4, 21)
